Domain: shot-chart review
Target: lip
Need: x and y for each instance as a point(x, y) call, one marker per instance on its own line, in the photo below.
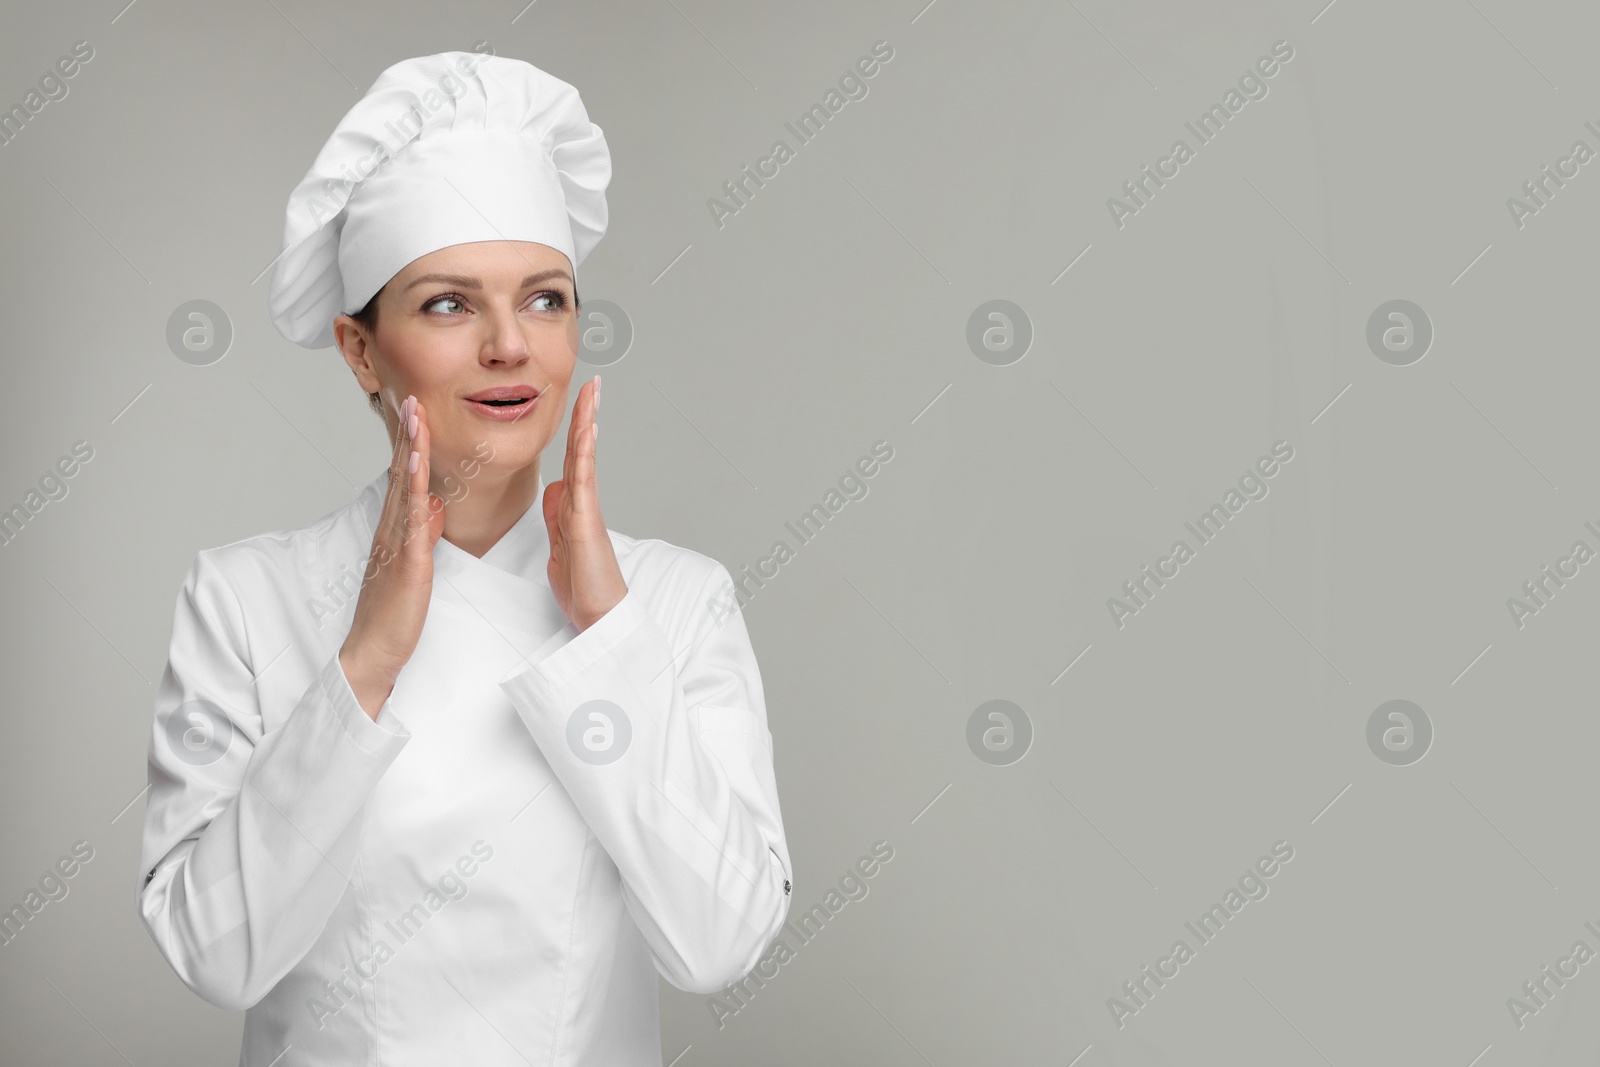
point(503, 412)
point(504, 392)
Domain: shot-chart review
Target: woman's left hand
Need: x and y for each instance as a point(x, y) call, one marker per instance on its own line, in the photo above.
point(584, 573)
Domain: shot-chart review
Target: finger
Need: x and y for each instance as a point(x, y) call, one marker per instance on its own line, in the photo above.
point(584, 474)
point(586, 503)
point(574, 429)
point(418, 507)
point(584, 477)
point(391, 519)
point(582, 419)
point(400, 472)
point(436, 508)
point(397, 452)
point(552, 513)
point(400, 477)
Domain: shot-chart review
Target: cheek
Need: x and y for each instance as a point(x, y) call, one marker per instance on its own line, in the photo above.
point(431, 372)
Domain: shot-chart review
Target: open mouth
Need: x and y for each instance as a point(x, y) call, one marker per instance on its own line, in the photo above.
point(505, 403)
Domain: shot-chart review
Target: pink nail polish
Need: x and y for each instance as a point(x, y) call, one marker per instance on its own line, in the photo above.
point(416, 459)
point(411, 426)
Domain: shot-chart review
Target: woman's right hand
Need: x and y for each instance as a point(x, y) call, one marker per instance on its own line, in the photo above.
point(398, 582)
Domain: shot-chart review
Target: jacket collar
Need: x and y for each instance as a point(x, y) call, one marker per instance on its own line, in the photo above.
point(508, 587)
point(524, 549)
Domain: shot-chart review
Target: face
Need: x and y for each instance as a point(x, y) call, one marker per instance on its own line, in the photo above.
point(467, 319)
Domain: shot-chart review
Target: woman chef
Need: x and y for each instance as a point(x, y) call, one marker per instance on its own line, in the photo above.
point(449, 783)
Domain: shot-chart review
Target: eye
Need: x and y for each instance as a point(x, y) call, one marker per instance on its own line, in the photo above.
point(556, 298)
point(451, 298)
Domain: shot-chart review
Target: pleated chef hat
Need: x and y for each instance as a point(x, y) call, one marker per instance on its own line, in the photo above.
point(442, 150)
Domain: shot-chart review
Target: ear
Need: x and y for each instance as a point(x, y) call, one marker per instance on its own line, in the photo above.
point(357, 349)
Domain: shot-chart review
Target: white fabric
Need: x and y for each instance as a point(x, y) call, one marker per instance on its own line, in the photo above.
point(442, 150)
point(270, 874)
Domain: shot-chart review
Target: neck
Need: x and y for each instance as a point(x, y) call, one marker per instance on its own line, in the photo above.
point(476, 521)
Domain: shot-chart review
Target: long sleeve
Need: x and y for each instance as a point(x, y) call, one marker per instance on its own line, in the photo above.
point(667, 755)
point(249, 837)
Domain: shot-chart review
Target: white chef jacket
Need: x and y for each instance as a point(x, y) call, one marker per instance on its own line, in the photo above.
point(475, 877)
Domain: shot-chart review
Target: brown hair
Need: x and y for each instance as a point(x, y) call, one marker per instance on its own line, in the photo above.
point(368, 318)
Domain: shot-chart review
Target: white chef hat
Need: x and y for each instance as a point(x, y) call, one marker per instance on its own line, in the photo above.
point(442, 150)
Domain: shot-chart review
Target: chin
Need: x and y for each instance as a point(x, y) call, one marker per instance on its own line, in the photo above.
point(509, 449)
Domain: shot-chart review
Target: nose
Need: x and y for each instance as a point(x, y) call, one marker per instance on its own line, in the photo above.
point(505, 344)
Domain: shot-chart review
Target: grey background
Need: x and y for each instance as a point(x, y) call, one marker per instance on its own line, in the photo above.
point(831, 312)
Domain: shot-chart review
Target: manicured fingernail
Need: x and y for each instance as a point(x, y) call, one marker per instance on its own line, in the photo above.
point(405, 407)
point(411, 426)
point(416, 458)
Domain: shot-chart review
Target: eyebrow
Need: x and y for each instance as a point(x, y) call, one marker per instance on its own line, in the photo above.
point(475, 283)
